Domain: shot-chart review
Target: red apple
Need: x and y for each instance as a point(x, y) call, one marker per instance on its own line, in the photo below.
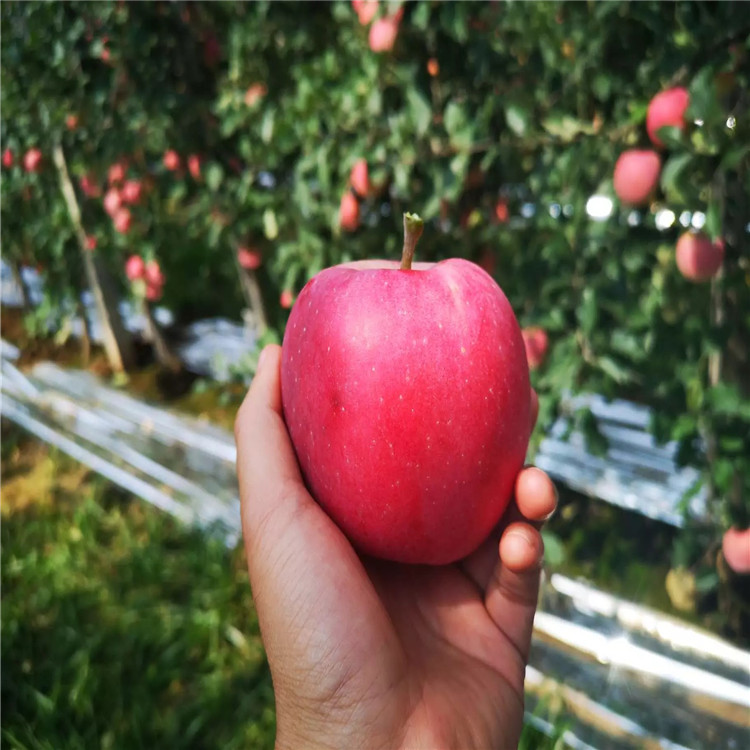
point(71, 121)
point(134, 267)
point(698, 259)
point(636, 176)
point(152, 273)
point(384, 31)
point(736, 548)
point(255, 93)
point(194, 166)
point(171, 160)
point(536, 342)
point(153, 292)
point(32, 160)
point(132, 191)
point(122, 220)
point(112, 201)
point(249, 258)
point(116, 173)
point(667, 109)
point(501, 211)
point(91, 242)
point(359, 178)
point(365, 10)
point(211, 50)
point(349, 212)
point(8, 158)
point(89, 186)
point(487, 261)
point(406, 396)
point(433, 67)
point(286, 299)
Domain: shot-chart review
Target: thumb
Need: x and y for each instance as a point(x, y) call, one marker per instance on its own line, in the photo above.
point(287, 535)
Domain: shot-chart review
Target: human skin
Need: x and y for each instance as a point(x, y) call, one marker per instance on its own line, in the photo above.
point(372, 654)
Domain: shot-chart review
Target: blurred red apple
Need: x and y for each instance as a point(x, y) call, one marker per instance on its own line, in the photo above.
point(112, 201)
point(501, 211)
point(255, 93)
point(698, 259)
point(384, 31)
point(8, 158)
point(211, 49)
point(131, 192)
point(636, 176)
point(536, 342)
point(71, 121)
point(153, 292)
point(433, 68)
point(406, 393)
point(349, 212)
point(286, 300)
point(32, 160)
point(736, 549)
point(91, 242)
point(90, 186)
point(487, 261)
point(359, 178)
point(171, 160)
point(667, 109)
point(122, 220)
point(249, 258)
point(134, 267)
point(152, 273)
point(194, 166)
point(365, 10)
point(116, 173)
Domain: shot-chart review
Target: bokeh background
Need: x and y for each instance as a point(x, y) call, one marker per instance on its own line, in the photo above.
point(210, 158)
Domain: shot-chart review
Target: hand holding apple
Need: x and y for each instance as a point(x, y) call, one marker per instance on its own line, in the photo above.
point(430, 656)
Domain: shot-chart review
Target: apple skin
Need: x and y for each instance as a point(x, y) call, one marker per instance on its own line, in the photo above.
point(349, 212)
point(536, 341)
point(636, 176)
point(698, 259)
point(359, 178)
point(735, 546)
point(666, 109)
point(406, 396)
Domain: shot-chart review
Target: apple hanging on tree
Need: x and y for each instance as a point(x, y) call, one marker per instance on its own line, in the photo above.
point(636, 176)
point(406, 393)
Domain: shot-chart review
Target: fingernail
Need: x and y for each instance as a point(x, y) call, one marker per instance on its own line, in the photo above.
point(520, 537)
point(261, 357)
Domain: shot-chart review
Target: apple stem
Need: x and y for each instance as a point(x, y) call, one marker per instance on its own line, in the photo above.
point(413, 228)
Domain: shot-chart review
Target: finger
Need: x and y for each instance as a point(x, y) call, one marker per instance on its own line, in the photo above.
point(277, 511)
point(535, 500)
point(513, 589)
point(536, 496)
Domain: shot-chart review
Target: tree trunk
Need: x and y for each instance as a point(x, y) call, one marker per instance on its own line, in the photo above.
point(15, 268)
point(117, 341)
point(254, 299)
point(164, 355)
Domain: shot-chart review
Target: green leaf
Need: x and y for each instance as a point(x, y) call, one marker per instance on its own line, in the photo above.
point(270, 226)
point(713, 219)
point(517, 118)
point(554, 552)
point(420, 109)
point(214, 176)
point(676, 177)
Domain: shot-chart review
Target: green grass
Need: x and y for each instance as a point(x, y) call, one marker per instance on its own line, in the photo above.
point(122, 629)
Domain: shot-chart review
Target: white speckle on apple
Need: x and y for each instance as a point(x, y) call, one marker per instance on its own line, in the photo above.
point(463, 351)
